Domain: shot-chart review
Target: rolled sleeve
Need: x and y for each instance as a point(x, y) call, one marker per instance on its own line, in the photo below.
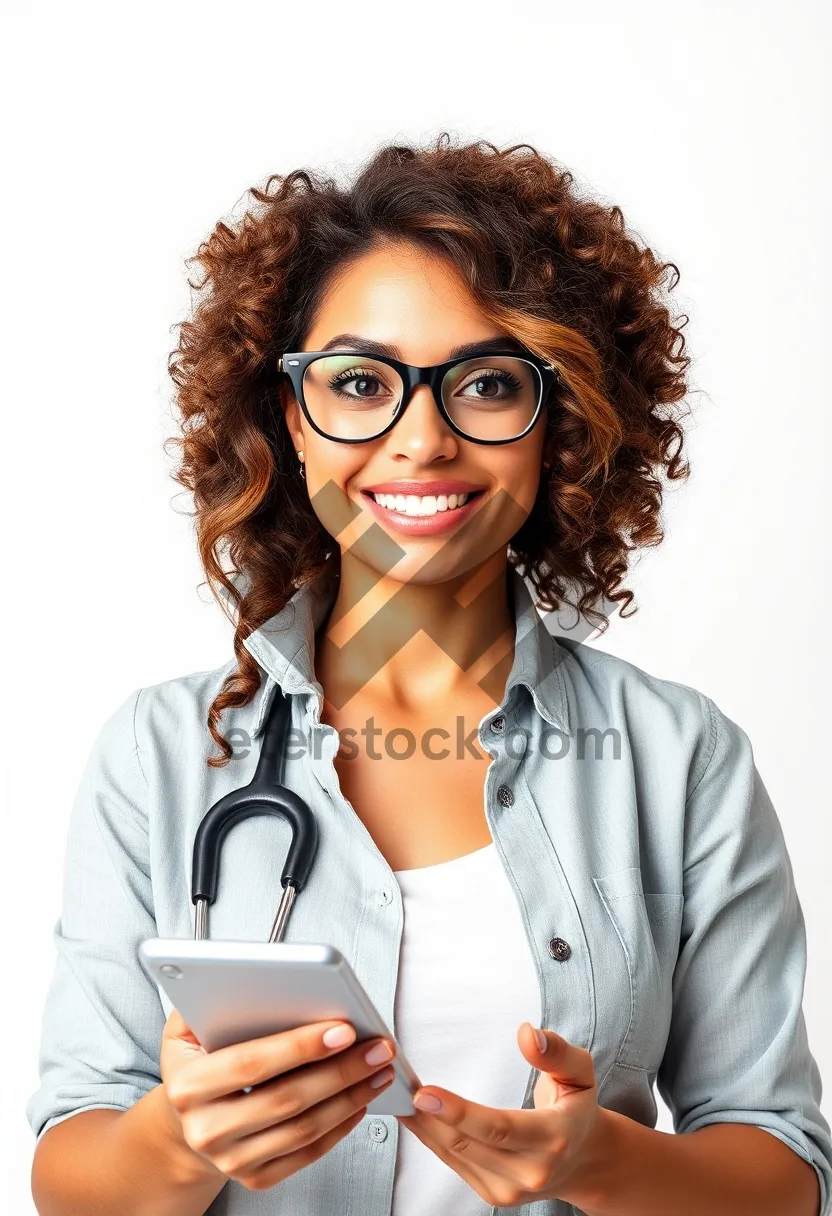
point(103, 1019)
point(737, 1051)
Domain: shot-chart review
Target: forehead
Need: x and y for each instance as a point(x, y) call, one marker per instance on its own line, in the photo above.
point(404, 297)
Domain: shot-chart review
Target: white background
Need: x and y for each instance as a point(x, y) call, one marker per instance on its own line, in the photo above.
point(136, 129)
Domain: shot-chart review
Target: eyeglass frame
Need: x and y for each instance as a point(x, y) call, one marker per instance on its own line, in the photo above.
point(412, 376)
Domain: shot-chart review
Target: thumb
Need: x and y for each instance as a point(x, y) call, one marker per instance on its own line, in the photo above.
point(568, 1065)
point(176, 1029)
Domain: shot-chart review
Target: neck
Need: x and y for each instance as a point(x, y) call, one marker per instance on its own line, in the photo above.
point(410, 644)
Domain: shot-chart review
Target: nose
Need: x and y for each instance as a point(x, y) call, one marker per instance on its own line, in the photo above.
point(422, 434)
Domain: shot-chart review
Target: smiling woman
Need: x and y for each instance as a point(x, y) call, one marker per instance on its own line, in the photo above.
point(415, 409)
point(523, 261)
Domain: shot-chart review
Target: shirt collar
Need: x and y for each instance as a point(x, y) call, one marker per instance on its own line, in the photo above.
point(284, 646)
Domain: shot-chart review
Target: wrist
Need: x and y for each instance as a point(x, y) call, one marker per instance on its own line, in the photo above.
point(188, 1166)
point(587, 1185)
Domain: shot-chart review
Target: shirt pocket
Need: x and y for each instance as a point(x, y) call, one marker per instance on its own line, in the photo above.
point(647, 927)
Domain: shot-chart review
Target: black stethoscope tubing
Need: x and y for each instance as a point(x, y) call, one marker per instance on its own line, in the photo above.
point(264, 795)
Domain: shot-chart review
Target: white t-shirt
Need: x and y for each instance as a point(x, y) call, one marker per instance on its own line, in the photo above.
point(466, 981)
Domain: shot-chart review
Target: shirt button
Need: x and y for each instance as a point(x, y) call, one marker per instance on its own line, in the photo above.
point(377, 1131)
point(559, 949)
point(505, 796)
point(498, 724)
point(385, 895)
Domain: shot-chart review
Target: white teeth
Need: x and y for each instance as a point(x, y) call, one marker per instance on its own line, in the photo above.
point(412, 504)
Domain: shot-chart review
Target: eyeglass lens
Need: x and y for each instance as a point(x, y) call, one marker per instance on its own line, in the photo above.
point(355, 397)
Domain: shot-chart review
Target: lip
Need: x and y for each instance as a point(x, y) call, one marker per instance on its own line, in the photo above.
point(424, 525)
point(420, 488)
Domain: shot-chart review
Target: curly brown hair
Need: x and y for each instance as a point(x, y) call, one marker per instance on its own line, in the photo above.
point(556, 269)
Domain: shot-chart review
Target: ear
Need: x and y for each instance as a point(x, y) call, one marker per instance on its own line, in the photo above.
point(293, 416)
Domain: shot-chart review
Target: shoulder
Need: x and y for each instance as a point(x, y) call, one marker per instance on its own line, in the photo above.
point(181, 701)
point(593, 672)
point(162, 722)
point(656, 712)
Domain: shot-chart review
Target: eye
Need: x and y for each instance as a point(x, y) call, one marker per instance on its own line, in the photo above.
point(366, 381)
point(490, 381)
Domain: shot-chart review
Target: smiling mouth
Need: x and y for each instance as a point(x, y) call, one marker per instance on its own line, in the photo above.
point(420, 506)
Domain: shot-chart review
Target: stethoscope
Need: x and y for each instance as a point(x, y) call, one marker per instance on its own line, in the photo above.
point(264, 795)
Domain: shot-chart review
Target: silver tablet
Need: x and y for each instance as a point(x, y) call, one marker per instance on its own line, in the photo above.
point(230, 991)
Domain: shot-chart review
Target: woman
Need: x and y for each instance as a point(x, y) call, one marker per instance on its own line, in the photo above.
point(520, 836)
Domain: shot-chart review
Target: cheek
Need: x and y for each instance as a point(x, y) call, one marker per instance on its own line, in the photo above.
point(333, 463)
point(330, 468)
point(522, 482)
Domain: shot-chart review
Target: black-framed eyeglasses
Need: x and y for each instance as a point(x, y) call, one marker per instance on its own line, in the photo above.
point(352, 397)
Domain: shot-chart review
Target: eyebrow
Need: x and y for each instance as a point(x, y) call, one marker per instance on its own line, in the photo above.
point(487, 346)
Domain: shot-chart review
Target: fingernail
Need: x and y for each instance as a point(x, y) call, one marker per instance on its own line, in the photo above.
point(379, 1053)
point(380, 1078)
point(339, 1036)
point(427, 1102)
point(542, 1041)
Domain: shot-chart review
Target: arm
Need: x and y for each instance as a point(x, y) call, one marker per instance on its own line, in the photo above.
point(105, 1143)
point(720, 1170)
point(737, 1074)
point(132, 1162)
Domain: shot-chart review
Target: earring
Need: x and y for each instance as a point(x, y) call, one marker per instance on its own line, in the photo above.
point(302, 469)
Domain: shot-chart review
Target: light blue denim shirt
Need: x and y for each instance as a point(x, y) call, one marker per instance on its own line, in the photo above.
point(647, 859)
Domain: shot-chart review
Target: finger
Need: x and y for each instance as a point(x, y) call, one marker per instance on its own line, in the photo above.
point(478, 1178)
point(288, 1096)
point(506, 1164)
point(274, 1171)
point(250, 1152)
point(177, 1028)
point(507, 1130)
point(501, 1178)
point(568, 1066)
point(230, 1069)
